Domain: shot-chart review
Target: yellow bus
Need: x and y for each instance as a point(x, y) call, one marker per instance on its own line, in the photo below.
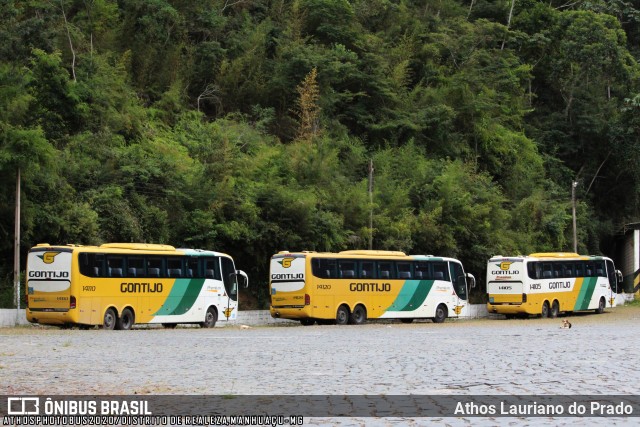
point(351, 286)
point(117, 285)
point(548, 284)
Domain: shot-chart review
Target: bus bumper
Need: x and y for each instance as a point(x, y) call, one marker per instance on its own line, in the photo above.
point(49, 317)
point(506, 309)
point(294, 313)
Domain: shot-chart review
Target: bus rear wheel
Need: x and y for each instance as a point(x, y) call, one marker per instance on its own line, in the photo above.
point(359, 315)
point(601, 305)
point(441, 314)
point(126, 320)
point(110, 319)
point(210, 318)
point(555, 309)
point(342, 315)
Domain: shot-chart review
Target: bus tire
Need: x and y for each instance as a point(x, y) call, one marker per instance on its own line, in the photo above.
point(210, 318)
point(441, 314)
point(407, 320)
point(545, 309)
point(169, 325)
point(555, 309)
point(342, 315)
point(307, 322)
point(126, 319)
point(110, 319)
point(359, 315)
point(601, 305)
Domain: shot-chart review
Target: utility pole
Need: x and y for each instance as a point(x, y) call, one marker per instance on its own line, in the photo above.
point(574, 184)
point(371, 204)
point(16, 249)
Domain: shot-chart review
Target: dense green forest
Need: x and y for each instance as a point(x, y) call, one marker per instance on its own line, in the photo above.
point(248, 126)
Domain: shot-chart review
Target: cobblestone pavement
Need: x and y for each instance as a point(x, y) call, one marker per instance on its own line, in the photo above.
point(475, 357)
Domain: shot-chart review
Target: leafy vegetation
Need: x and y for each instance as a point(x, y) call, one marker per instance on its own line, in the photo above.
point(248, 126)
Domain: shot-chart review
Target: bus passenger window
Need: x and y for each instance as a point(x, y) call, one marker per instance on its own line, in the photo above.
point(324, 268)
point(212, 268)
point(155, 267)
point(440, 271)
point(115, 265)
point(386, 270)
point(367, 269)
point(421, 270)
point(347, 269)
point(404, 270)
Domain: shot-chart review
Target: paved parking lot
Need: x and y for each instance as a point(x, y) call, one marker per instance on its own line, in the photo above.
point(475, 357)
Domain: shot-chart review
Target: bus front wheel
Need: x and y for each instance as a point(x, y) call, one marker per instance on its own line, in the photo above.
point(441, 314)
point(110, 319)
point(210, 318)
point(359, 315)
point(601, 304)
point(342, 316)
point(126, 320)
point(545, 309)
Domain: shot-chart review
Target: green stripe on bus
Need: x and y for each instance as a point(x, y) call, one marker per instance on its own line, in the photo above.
point(586, 292)
point(182, 296)
point(412, 295)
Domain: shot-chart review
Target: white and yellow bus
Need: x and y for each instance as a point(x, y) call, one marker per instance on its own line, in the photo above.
point(351, 286)
point(547, 284)
point(117, 285)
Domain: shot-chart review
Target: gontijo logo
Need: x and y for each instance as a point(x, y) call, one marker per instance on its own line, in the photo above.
point(504, 265)
point(48, 257)
point(286, 262)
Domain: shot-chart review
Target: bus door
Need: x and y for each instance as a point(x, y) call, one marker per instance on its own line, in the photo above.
point(230, 280)
point(460, 286)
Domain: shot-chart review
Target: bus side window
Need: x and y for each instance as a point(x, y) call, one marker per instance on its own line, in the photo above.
point(212, 268)
point(347, 268)
point(404, 270)
point(155, 267)
point(367, 269)
point(386, 270)
point(531, 270)
point(421, 270)
point(324, 268)
point(580, 269)
point(91, 265)
point(440, 271)
point(115, 265)
point(600, 269)
point(135, 266)
point(568, 270)
point(174, 266)
point(192, 267)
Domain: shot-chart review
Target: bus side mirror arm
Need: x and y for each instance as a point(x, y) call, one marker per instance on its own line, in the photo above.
point(245, 278)
point(472, 280)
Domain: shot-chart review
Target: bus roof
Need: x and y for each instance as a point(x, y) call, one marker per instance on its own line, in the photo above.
point(132, 248)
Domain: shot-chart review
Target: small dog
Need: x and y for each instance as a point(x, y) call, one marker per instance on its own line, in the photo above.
point(565, 324)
